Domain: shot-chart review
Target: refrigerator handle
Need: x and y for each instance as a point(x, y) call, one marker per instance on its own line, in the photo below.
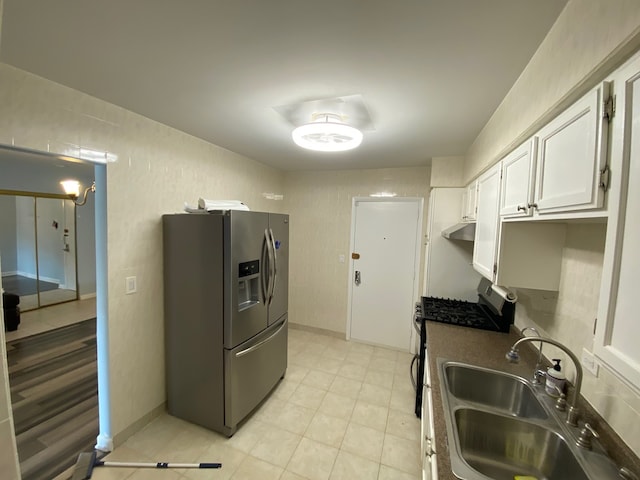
point(264, 273)
point(273, 264)
point(259, 344)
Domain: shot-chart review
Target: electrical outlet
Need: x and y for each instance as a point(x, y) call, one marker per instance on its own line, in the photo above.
point(131, 285)
point(589, 362)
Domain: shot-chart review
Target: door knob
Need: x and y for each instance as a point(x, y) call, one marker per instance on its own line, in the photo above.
point(357, 279)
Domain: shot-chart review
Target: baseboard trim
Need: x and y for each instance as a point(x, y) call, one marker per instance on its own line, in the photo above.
point(34, 276)
point(322, 331)
point(121, 437)
point(87, 296)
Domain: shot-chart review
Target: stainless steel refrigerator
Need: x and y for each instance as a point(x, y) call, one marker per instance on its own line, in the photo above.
point(225, 308)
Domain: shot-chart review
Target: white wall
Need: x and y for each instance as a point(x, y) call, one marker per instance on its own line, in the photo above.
point(447, 172)
point(320, 207)
point(588, 41)
point(158, 169)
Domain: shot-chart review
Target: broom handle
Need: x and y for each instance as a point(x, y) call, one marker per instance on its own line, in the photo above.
point(158, 465)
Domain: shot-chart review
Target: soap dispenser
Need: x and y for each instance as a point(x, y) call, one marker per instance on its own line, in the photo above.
point(555, 379)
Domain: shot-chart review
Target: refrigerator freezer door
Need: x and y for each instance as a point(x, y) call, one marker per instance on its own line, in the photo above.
point(244, 237)
point(252, 370)
point(279, 305)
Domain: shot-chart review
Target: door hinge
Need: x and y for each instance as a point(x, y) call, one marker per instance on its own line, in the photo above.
point(609, 107)
point(605, 177)
point(495, 268)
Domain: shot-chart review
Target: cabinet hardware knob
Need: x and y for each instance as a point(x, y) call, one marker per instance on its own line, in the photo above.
point(532, 205)
point(522, 207)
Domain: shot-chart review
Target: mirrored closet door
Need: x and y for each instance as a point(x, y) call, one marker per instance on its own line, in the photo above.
point(38, 245)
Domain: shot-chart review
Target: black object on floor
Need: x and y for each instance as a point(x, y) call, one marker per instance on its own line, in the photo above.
point(88, 461)
point(10, 305)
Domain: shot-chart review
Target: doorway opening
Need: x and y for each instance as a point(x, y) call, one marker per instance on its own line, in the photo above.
point(53, 370)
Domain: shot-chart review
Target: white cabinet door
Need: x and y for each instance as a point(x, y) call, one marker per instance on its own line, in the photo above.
point(487, 223)
point(518, 175)
point(571, 155)
point(469, 202)
point(618, 328)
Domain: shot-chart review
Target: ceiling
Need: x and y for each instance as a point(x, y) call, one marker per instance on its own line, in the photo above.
point(430, 72)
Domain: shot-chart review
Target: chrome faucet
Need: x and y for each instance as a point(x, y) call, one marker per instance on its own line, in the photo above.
point(538, 372)
point(513, 356)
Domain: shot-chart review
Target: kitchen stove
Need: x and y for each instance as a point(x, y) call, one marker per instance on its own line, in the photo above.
point(480, 315)
point(494, 311)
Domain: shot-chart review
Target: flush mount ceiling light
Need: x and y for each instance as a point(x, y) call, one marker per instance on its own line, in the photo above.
point(327, 132)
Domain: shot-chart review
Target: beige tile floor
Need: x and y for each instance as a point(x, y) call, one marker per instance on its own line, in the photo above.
point(54, 316)
point(343, 411)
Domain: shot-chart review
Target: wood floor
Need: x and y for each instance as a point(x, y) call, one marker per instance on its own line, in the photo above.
point(54, 395)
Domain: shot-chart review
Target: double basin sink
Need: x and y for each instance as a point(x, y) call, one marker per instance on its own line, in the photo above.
point(500, 426)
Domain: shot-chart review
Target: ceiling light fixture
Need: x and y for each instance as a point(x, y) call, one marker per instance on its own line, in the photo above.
point(327, 133)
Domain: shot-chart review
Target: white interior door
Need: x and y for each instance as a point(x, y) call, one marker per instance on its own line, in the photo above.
point(385, 238)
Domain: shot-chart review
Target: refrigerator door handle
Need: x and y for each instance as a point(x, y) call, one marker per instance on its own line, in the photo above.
point(264, 273)
point(259, 344)
point(273, 265)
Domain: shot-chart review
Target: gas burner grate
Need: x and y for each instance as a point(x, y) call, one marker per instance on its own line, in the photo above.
point(460, 312)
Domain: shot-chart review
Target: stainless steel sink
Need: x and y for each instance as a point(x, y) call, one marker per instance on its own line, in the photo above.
point(499, 425)
point(508, 393)
point(502, 447)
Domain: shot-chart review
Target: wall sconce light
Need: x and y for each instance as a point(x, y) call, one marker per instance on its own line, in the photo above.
point(72, 188)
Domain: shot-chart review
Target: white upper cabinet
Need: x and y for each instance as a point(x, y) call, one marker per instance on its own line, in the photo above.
point(571, 157)
point(618, 328)
point(469, 202)
point(487, 223)
point(518, 174)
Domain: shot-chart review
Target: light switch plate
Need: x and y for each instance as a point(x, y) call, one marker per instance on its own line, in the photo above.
point(131, 285)
point(589, 362)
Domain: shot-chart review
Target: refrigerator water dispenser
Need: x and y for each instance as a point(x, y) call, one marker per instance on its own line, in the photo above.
point(248, 284)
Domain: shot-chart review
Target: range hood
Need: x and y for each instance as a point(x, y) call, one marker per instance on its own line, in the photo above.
point(460, 231)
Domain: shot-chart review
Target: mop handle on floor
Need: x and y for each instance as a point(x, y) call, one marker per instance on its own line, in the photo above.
point(88, 461)
point(100, 463)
